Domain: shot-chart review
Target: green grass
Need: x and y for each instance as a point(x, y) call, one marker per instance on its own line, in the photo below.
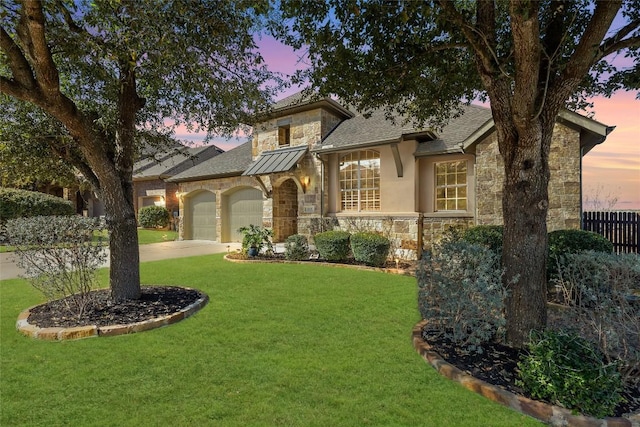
point(277, 345)
point(145, 237)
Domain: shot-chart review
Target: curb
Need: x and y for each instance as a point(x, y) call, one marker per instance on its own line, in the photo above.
point(79, 332)
point(551, 414)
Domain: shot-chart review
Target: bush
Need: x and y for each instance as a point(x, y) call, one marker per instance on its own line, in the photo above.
point(153, 217)
point(21, 204)
point(296, 248)
point(487, 235)
point(370, 248)
point(59, 256)
point(565, 369)
point(460, 293)
point(563, 242)
point(598, 290)
point(257, 237)
point(333, 245)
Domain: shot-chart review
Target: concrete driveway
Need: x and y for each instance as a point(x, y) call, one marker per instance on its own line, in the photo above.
point(152, 252)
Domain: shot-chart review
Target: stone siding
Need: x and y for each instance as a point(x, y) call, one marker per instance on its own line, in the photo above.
point(564, 183)
point(219, 186)
point(306, 128)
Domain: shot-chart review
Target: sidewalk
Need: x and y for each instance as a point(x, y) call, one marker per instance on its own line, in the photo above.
point(152, 252)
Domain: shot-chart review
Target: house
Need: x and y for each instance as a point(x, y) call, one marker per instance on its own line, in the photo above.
point(314, 164)
point(150, 174)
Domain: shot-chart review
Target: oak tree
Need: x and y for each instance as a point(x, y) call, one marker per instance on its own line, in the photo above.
point(105, 72)
point(530, 59)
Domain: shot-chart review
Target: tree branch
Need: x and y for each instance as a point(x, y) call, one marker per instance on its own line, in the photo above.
point(20, 68)
point(32, 24)
point(588, 52)
point(525, 30)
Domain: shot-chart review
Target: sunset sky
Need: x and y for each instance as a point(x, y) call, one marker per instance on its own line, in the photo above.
point(611, 171)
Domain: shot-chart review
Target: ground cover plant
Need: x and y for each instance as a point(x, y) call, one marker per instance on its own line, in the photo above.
point(278, 344)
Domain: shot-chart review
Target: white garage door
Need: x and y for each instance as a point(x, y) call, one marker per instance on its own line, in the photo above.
point(243, 207)
point(203, 216)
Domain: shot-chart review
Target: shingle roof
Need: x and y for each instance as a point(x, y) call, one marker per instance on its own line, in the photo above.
point(229, 163)
point(459, 132)
point(173, 162)
point(361, 131)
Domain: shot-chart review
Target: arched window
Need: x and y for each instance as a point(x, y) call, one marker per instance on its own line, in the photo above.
point(360, 181)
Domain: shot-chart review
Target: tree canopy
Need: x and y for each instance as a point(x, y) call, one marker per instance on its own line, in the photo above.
point(93, 78)
point(529, 59)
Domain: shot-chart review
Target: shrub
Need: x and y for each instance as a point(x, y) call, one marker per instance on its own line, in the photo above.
point(487, 235)
point(257, 237)
point(21, 203)
point(370, 248)
point(460, 293)
point(153, 217)
point(59, 256)
point(296, 248)
point(598, 290)
point(333, 245)
point(563, 242)
point(568, 370)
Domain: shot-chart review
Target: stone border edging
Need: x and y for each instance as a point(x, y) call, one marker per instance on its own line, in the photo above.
point(79, 332)
point(401, 271)
point(551, 414)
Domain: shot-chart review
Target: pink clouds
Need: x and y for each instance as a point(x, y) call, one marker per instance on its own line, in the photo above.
point(612, 169)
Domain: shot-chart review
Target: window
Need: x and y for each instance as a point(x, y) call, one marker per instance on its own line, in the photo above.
point(284, 135)
point(451, 186)
point(360, 181)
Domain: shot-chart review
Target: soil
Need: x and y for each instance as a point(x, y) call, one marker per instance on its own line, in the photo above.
point(155, 301)
point(497, 365)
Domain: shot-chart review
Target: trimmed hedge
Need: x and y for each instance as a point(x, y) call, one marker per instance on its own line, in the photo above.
point(153, 217)
point(563, 242)
point(16, 203)
point(486, 235)
point(370, 248)
point(333, 245)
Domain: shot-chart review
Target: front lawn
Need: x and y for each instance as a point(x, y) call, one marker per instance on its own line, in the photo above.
point(278, 344)
point(145, 237)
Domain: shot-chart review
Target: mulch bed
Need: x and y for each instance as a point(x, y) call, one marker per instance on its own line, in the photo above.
point(154, 302)
point(497, 365)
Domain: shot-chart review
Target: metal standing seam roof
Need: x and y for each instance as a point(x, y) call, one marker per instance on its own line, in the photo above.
point(280, 160)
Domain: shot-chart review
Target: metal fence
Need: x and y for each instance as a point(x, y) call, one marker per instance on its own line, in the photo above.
point(620, 228)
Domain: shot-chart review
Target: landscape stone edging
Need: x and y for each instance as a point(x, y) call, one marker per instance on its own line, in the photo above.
point(401, 271)
point(89, 331)
point(551, 414)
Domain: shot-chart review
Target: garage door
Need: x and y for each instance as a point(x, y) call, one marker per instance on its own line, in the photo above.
point(243, 207)
point(203, 216)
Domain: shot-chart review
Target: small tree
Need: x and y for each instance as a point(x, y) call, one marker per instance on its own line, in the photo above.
point(59, 256)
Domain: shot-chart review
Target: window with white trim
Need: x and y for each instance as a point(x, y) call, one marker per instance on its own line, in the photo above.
point(360, 181)
point(451, 186)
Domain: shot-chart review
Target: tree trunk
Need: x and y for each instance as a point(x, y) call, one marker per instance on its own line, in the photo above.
point(524, 253)
point(124, 257)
